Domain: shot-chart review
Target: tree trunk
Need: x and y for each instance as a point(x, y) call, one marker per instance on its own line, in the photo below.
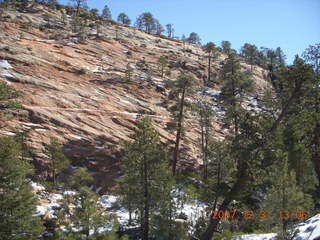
point(145, 231)
point(206, 151)
point(178, 136)
point(78, 8)
point(202, 141)
point(53, 173)
point(209, 70)
point(240, 182)
point(237, 187)
point(316, 143)
point(130, 215)
point(235, 114)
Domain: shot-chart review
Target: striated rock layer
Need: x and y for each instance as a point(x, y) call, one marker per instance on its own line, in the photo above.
point(77, 91)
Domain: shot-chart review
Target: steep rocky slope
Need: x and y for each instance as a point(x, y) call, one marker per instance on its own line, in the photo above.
point(77, 91)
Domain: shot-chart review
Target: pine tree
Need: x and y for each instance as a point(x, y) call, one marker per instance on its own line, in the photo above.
point(250, 54)
point(58, 161)
point(106, 13)
point(213, 54)
point(170, 30)
point(205, 117)
point(146, 174)
point(254, 143)
point(146, 21)
point(285, 199)
point(194, 38)
point(79, 178)
point(81, 215)
point(220, 167)
point(17, 202)
point(235, 85)
point(79, 4)
point(129, 72)
point(163, 63)
point(158, 28)
point(312, 56)
point(124, 19)
point(226, 47)
point(181, 88)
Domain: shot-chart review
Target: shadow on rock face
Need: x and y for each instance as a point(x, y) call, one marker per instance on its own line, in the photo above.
point(100, 156)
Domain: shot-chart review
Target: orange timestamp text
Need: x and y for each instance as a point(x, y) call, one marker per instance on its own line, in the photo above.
point(261, 214)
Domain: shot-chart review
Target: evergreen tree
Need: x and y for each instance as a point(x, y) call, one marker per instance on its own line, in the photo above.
point(79, 178)
point(212, 51)
point(181, 88)
point(146, 175)
point(285, 199)
point(163, 63)
point(250, 54)
point(146, 21)
point(235, 85)
point(194, 38)
point(280, 57)
point(17, 202)
point(205, 117)
point(254, 143)
point(57, 160)
point(226, 47)
point(94, 12)
point(170, 30)
point(129, 72)
point(312, 56)
point(7, 97)
point(124, 19)
point(79, 4)
point(158, 28)
point(81, 215)
point(106, 13)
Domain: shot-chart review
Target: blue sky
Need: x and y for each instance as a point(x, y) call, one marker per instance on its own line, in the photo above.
point(291, 24)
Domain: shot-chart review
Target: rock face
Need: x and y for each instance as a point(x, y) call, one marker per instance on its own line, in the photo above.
point(78, 93)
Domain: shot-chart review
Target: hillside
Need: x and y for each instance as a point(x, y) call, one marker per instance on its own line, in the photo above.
point(77, 92)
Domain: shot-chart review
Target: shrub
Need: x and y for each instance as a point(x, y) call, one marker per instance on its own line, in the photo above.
point(7, 92)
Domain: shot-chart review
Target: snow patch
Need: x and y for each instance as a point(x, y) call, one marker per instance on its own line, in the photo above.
point(5, 64)
point(37, 187)
point(99, 69)
point(41, 211)
point(310, 229)
point(267, 236)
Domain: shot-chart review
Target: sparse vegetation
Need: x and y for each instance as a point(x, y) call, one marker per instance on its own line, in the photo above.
point(250, 141)
point(129, 72)
point(57, 160)
point(124, 19)
point(163, 64)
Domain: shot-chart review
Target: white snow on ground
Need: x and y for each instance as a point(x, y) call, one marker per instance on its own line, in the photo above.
point(4, 69)
point(37, 187)
point(41, 211)
point(267, 236)
point(308, 230)
point(213, 92)
point(5, 65)
point(98, 69)
point(107, 201)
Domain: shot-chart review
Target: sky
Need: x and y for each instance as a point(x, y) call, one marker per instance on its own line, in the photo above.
point(292, 25)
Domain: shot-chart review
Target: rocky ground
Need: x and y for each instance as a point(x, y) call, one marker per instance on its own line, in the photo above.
point(77, 92)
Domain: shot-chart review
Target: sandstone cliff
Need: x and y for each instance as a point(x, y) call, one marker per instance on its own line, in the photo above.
point(77, 92)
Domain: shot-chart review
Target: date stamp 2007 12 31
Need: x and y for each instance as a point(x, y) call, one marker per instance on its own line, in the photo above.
point(261, 214)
